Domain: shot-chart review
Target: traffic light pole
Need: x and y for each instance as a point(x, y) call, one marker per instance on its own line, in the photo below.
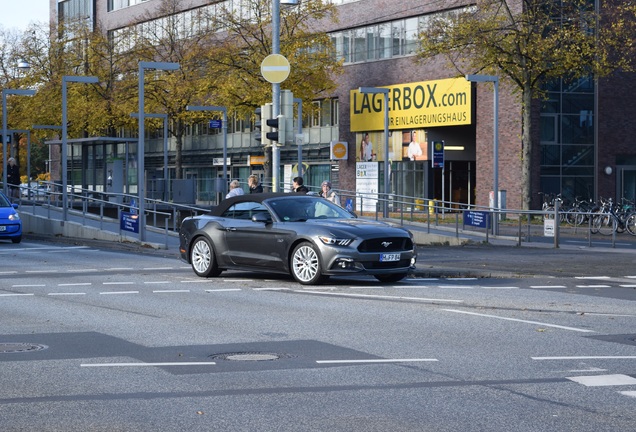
point(275, 92)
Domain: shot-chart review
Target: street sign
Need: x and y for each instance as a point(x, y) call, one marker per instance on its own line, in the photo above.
point(275, 68)
point(438, 154)
point(219, 161)
point(215, 124)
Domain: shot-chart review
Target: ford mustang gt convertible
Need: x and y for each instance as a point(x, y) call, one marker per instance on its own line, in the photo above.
point(306, 236)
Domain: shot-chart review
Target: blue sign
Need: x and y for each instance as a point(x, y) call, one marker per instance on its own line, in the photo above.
point(215, 124)
point(129, 222)
point(133, 206)
point(476, 218)
point(349, 204)
point(438, 154)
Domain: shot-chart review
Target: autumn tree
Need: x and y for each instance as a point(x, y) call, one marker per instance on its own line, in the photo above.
point(528, 42)
point(246, 39)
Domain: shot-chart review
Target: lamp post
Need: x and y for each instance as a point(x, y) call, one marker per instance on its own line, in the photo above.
point(67, 79)
point(385, 92)
point(495, 147)
point(224, 128)
point(141, 184)
point(165, 148)
point(5, 93)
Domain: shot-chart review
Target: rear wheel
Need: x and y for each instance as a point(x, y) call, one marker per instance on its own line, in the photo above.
point(305, 264)
point(390, 278)
point(202, 258)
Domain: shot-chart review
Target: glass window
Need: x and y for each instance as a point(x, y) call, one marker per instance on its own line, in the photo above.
point(384, 41)
point(411, 40)
point(359, 45)
point(371, 42)
point(325, 112)
point(397, 31)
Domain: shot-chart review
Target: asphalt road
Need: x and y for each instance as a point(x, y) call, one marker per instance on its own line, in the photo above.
point(101, 339)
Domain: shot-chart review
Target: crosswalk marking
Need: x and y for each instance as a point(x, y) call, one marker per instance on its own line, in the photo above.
point(604, 380)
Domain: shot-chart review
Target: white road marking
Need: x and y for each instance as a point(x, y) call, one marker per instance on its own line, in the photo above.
point(629, 393)
point(374, 361)
point(547, 286)
point(520, 320)
point(500, 287)
point(461, 279)
point(118, 283)
point(604, 380)
point(238, 280)
point(147, 364)
point(593, 286)
point(157, 282)
point(65, 294)
point(630, 277)
point(74, 284)
point(15, 295)
point(428, 300)
point(8, 272)
point(118, 268)
point(223, 290)
point(171, 291)
point(194, 281)
point(41, 271)
point(591, 277)
point(118, 292)
point(366, 287)
point(628, 286)
point(456, 286)
point(585, 358)
point(608, 314)
point(28, 286)
point(270, 289)
point(85, 270)
point(157, 268)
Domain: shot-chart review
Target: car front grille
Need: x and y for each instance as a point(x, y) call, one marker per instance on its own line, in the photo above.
point(377, 265)
point(382, 245)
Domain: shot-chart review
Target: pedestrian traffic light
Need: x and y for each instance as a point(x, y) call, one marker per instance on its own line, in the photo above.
point(261, 128)
point(278, 129)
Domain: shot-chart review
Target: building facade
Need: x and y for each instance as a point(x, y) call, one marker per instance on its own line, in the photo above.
point(583, 132)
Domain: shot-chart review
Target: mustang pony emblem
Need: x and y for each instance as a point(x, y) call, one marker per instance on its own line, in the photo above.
point(386, 244)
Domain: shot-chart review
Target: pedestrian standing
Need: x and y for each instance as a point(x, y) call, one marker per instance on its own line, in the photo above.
point(13, 178)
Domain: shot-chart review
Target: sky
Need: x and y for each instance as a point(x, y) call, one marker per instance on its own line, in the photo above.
point(18, 14)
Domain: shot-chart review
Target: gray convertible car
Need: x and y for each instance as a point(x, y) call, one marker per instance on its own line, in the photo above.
point(302, 235)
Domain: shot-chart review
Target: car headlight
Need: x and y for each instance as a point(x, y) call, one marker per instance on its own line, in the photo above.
point(14, 217)
point(335, 241)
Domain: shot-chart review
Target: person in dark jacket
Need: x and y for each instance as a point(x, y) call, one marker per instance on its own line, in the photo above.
point(298, 186)
point(255, 186)
point(13, 178)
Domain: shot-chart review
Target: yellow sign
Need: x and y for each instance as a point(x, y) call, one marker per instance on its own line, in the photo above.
point(275, 68)
point(418, 105)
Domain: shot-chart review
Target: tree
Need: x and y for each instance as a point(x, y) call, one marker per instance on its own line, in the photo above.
point(529, 42)
point(246, 40)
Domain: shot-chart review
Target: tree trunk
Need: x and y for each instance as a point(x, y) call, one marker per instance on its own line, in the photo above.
point(178, 134)
point(526, 148)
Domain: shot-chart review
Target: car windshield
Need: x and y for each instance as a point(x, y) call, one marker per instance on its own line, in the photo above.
point(4, 202)
point(303, 208)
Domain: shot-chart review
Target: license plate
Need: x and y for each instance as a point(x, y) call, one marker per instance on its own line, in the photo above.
point(390, 257)
point(3, 228)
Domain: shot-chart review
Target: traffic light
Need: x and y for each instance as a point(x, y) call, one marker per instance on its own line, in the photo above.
point(287, 110)
point(262, 129)
point(279, 124)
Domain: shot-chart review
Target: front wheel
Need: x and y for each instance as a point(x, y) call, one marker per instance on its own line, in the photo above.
point(305, 264)
point(202, 258)
point(390, 278)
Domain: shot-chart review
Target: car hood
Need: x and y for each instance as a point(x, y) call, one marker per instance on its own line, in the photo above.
point(356, 226)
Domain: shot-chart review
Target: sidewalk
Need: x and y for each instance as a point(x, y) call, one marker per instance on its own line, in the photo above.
point(441, 253)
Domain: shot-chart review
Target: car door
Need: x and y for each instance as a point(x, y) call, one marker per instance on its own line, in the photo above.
point(254, 244)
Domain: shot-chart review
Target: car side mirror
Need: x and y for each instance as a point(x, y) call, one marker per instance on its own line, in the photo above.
point(15, 206)
point(262, 217)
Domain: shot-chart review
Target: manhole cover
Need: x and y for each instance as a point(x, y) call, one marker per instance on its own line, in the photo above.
point(249, 356)
point(17, 347)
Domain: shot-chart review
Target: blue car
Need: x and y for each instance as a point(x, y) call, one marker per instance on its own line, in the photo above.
point(10, 223)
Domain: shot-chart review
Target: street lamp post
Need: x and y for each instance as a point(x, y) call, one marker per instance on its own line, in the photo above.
point(66, 79)
point(495, 170)
point(141, 186)
point(385, 92)
point(5, 93)
point(165, 149)
point(223, 128)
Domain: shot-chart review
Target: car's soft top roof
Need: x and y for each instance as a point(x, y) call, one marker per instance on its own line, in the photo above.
point(258, 197)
